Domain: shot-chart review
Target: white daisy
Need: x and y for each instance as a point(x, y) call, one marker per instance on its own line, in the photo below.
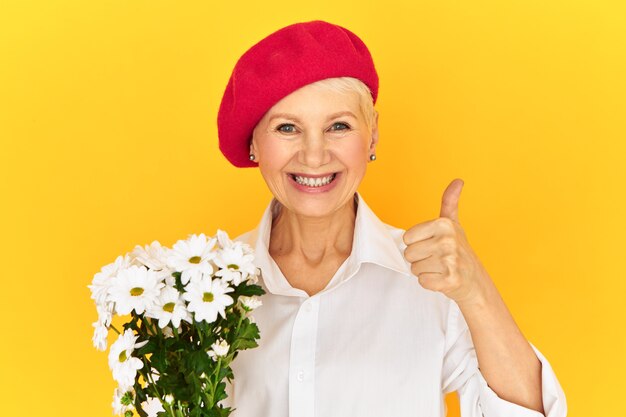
point(153, 256)
point(123, 400)
point(207, 297)
point(135, 288)
point(102, 280)
point(167, 332)
point(105, 314)
point(234, 263)
point(192, 256)
point(152, 406)
point(100, 334)
point(253, 279)
point(154, 375)
point(250, 303)
point(121, 361)
point(169, 308)
point(219, 348)
point(223, 239)
point(247, 249)
point(101, 326)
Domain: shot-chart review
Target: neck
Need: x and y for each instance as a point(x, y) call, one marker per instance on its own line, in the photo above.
point(313, 239)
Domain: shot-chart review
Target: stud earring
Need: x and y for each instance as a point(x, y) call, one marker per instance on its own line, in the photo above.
point(251, 157)
point(372, 157)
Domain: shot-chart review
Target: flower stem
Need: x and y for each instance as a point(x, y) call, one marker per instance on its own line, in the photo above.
point(148, 377)
point(216, 381)
point(239, 323)
point(149, 326)
point(113, 327)
point(179, 410)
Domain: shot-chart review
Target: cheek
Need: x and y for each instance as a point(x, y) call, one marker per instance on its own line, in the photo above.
point(354, 153)
point(274, 153)
point(273, 159)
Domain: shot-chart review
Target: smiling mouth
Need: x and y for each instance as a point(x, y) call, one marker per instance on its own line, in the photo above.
point(313, 182)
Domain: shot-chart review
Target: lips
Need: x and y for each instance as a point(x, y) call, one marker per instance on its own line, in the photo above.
point(302, 174)
point(310, 186)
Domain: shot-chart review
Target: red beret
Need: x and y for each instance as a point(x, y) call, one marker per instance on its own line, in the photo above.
point(282, 62)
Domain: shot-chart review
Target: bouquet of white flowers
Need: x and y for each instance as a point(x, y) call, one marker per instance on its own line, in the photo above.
point(188, 311)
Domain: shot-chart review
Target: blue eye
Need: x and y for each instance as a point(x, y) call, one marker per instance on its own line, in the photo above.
point(341, 123)
point(285, 131)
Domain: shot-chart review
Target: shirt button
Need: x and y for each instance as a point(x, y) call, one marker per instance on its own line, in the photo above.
point(308, 307)
point(300, 376)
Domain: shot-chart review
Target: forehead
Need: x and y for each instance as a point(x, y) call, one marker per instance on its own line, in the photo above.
point(313, 101)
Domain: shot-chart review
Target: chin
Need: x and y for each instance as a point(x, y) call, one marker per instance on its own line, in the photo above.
point(317, 206)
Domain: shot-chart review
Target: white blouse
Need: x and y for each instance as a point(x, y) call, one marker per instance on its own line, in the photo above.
point(373, 343)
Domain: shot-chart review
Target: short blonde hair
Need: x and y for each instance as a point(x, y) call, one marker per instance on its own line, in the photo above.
point(350, 84)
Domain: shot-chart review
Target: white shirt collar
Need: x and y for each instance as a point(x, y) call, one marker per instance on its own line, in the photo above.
point(373, 241)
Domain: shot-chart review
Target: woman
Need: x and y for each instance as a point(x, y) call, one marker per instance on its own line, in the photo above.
point(359, 318)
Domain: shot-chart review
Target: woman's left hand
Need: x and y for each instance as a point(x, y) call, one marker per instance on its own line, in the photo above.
point(441, 256)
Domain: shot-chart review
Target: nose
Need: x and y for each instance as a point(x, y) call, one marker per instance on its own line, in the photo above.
point(314, 151)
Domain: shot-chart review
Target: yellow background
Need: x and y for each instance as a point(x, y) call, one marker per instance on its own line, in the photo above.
point(108, 127)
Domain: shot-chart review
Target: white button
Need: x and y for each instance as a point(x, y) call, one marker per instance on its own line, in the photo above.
point(308, 307)
point(300, 376)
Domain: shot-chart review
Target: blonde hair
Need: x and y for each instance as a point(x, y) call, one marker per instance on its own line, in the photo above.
point(350, 84)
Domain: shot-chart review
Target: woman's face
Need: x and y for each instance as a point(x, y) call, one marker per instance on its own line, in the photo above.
point(314, 133)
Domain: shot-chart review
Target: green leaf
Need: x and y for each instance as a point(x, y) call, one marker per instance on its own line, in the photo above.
point(249, 290)
point(140, 396)
point(248, 330)
point(149, 347)
point(220, 392)
point(247, 335)
point(198, 362)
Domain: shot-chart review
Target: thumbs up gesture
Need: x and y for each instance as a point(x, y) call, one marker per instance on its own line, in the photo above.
point(441, 256)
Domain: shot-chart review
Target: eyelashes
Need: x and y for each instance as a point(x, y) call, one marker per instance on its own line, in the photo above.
point(279, 128)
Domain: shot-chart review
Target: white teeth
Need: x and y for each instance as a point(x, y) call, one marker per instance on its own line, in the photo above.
point(314, 182)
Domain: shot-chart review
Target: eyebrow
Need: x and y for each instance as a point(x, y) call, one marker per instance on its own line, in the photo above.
point(293, 117)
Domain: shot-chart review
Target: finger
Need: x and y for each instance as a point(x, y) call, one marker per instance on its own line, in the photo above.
point(450, 200)
point(430, 265)
point(432, 281)
point(422, 249)
point(420, 232)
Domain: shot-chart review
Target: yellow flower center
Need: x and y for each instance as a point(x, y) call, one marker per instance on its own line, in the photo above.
point(233, 266)
point(136, 291)
point(195, 260)
point(169, 307)
point(123, 356)
point(207, 297)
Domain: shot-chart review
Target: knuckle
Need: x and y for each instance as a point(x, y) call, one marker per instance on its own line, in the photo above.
point(445, 223)
point(406, 237)
point(447, 243)
point(451, 259)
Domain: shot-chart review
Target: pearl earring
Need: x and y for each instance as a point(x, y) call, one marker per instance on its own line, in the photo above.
point(372, 157)
point(251, 157)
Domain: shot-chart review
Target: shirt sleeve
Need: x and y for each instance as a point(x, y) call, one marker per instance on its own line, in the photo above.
point(461, 373)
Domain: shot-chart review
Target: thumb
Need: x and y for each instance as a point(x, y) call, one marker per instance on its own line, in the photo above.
point(450, 200)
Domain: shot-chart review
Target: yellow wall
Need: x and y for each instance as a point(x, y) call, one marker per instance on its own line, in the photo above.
point(108, 139)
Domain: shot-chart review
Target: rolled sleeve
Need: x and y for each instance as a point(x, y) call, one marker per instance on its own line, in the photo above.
point(476, 398)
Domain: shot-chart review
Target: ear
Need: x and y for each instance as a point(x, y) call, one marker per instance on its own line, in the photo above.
point(374, 133)
point(253, 149)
